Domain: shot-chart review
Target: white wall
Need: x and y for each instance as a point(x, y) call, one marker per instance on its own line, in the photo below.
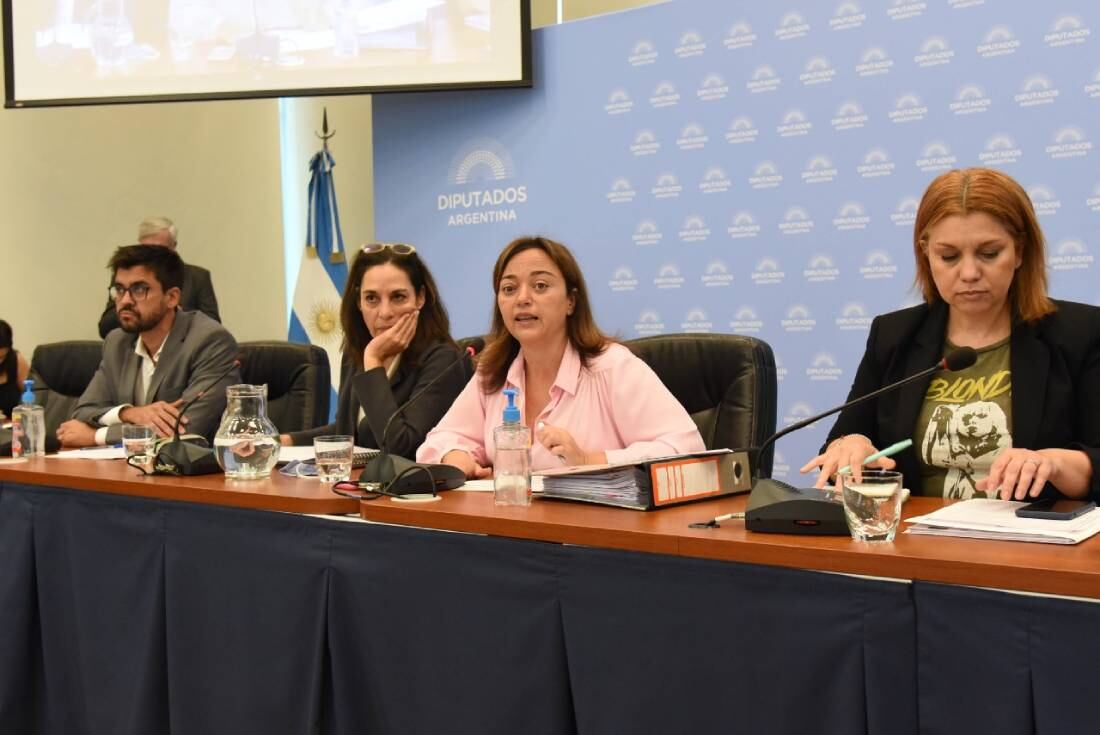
point(75, 182)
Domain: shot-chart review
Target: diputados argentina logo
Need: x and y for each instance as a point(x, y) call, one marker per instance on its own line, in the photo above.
point(481, 170)
point(1044, 201)
point(847, 15)
point(696, 320)
point(853, 317)
point(824, 367)
point(1068, 30)
point(745, 320)
point(1093, 202)
point(1070, 255)
point(740, 35)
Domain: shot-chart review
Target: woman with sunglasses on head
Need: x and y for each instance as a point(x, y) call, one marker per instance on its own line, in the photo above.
point(586, 399)
point(1027, 413)
point(396, 341)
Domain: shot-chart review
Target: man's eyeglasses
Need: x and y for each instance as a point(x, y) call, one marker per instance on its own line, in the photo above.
point(397, 248)
point(138, 291)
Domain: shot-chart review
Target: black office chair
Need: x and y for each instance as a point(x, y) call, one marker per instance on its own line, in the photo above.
point(61, 371)
point(725, 381)
point(298, 381)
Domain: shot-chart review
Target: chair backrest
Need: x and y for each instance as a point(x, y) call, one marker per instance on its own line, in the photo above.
point(725, 381)
point(61, 371)
point(299, 383)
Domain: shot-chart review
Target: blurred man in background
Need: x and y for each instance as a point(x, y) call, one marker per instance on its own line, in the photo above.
point(198, 289)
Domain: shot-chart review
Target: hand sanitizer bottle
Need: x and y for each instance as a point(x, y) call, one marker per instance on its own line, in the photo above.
point(28, 426)
point(512, 463)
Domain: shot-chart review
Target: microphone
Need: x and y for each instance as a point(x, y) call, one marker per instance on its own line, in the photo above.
point(179, 457)
point(960, 359)
point(183, 409)
point(776, 507)
point(388, 469)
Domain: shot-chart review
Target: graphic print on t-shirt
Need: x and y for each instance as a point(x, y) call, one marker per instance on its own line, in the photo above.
point(967, 429)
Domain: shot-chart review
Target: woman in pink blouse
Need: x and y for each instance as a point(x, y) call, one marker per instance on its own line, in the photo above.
point(587, 399)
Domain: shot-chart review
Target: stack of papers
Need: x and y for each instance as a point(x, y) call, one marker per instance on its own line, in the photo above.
point(996, 519)
point(626, 487)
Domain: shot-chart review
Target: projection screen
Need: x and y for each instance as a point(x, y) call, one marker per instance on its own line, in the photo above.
point(66, 52)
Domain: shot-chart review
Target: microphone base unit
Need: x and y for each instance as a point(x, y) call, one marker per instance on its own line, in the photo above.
point(776, 507)
point(187, 458)
point(393, 472)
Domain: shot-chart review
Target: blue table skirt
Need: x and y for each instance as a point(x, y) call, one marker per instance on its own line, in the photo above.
point(126, 615)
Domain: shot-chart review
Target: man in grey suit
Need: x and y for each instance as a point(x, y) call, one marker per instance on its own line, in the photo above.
point(160, 359)
point(197, 289)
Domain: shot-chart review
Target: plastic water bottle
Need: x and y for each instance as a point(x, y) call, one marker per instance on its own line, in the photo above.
point(28, 426)
point(512, 464)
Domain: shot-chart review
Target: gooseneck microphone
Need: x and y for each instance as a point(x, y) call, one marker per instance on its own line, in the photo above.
point(776, 507)
point(179, 457)
point(960, 359)
point(183, 409)
point(384, 467)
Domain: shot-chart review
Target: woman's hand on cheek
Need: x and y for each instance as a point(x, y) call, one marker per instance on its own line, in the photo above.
point(391, 342)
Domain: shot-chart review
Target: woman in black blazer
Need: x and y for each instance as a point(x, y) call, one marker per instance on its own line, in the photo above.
point(396, 341)
point(1028, 412)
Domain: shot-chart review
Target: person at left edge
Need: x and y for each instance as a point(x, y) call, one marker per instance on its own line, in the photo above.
point(13, 371)
point(396, 340)
point(160, 358)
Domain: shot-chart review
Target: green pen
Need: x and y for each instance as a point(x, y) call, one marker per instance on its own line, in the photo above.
point(890, 451)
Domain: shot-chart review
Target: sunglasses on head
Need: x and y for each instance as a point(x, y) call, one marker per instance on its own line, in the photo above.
point(397, 248)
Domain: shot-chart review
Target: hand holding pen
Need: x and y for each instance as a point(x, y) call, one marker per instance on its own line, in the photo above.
point(850, 454)
point(890, 451)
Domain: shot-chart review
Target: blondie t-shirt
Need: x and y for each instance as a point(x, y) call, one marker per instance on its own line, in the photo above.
point(964, 423)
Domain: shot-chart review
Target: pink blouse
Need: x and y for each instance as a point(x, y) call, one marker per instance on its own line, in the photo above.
point(617, 404)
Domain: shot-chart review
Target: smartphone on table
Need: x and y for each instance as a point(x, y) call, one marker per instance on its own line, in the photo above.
point(1056, 509)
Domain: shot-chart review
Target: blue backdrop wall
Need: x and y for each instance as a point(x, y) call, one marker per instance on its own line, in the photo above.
point(752, 167)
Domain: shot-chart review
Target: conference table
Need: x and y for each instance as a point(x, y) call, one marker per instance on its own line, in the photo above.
point(134, 604)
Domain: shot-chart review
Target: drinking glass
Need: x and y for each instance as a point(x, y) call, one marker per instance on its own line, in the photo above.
point(138, 439)
point(333, 455)
point(872, 505)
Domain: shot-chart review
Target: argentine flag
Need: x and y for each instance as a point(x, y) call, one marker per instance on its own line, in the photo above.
point(323, 272)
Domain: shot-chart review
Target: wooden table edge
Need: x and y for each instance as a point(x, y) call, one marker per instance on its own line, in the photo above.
point(138, 488)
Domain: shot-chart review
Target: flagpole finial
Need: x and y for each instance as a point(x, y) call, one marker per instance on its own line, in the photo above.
point(324, 135)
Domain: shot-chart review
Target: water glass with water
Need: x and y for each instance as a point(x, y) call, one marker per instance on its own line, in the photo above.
point(333, 455)
point(138, 439)
point(872, 505)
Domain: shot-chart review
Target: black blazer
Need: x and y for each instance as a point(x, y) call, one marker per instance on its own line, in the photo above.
point(1055, 381)
point(379, 398)
point(197, 294)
